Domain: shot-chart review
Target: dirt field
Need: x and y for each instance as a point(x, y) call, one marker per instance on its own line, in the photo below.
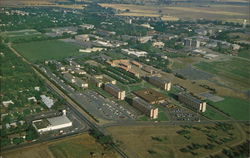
point(39, 3)
point(73, 147)
point(165, 142)
point(234, 13)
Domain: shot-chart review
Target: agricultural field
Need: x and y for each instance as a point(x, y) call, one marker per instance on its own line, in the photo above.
point(236, 71)
point(45, 50)
point(73, 147)
point(237, 108)
point(233, 13)
point(176, 142)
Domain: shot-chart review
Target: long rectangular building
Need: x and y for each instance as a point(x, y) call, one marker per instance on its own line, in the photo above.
point(145, 107)
point(115, 91)
point(151, 96)
point(160, 82)
point(192, 102)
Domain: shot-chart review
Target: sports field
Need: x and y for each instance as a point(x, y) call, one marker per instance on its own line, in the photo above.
point(43, 50)
point(237, 108)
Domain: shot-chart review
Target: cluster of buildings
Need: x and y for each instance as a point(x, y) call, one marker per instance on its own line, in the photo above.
point(76, 80)
point(101, 80)
point(73, 68)
point(126, 65)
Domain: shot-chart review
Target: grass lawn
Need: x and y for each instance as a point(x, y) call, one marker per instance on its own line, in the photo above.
point(244, 54)
point(212, 114)
point(235, 70)
point(43, 50)
point(237, 108)
point(79, 147)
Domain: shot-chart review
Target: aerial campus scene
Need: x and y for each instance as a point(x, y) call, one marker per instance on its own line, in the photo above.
point(125, 78)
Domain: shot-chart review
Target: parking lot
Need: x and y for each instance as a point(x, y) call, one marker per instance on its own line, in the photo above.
point(101, 107)
point(181, 114)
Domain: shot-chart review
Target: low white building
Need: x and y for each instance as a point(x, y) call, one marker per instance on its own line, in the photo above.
point(53, 123)
point(47, 101)
point(32, 98)
point(158, 44)
point(145, 39)
point(6, 103)
point(135, 52)
point(87, 26)
point(89, 50)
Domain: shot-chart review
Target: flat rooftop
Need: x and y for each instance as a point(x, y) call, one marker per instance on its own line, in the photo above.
point(143, 103)
point(117, 89)
point(160, 79)
point(190, 97)
point(53, 121)
point(150, 95)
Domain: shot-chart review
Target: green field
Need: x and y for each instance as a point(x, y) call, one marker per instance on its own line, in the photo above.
point(212, 114)
point(235, 70)
point(244, 54)
point(237, 108)
point(43, 50)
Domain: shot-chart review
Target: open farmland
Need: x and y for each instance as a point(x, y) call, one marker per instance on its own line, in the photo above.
point(168, 141)
point(236, 71)
point(43, 50)
point(71, 147)
point(233, 13)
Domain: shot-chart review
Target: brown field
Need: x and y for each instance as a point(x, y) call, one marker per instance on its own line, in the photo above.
point(137, 140)
point(39, 3)
point(73, 147)
point(232, 13)
point(195, 88)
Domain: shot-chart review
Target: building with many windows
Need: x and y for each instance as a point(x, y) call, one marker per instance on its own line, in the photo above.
point(115, 91)
point(160, 82)
point(145, 107)
point(192, 102)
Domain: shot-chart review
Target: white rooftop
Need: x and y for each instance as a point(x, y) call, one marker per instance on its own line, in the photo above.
point(55, 121)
